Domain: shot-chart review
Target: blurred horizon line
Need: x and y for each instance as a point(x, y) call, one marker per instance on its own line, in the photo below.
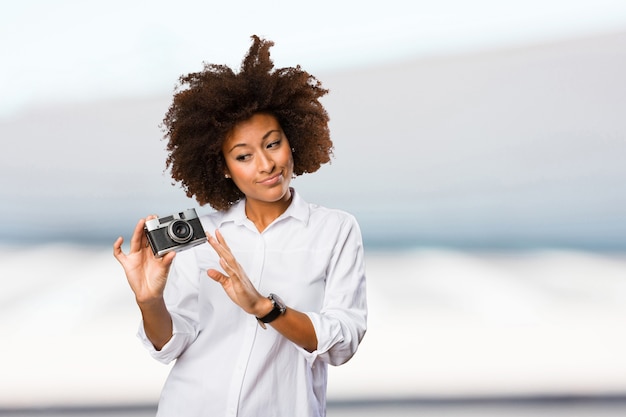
point(379, 244)
point(516, 400)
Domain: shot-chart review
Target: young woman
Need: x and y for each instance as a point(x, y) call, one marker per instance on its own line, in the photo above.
point(253, 318)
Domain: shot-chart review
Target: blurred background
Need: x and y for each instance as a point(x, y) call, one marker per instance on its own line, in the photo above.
point(479, 144)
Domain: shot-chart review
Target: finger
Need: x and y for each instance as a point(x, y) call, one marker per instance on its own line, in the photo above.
point(214, 244)
point(217, 246)
point(222, 253)
point(227, 260)
point(144, 237)
point(227, 268)
point(220, 239)
point(136, 241)
point(168, 258)
point(225, 253)
point(117, 248)
point(217, 276)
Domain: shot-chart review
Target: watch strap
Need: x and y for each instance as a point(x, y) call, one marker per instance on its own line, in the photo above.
point(277, 310)
point(271, 316)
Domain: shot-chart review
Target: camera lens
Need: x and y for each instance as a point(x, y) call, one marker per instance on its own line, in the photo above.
point(180, 231)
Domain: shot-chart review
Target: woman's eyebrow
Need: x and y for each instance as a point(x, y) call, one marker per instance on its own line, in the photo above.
point(238, 145)
point(265, 136)
point(270, 132)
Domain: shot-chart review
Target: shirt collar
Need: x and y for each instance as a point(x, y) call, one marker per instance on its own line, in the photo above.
point(298, 209)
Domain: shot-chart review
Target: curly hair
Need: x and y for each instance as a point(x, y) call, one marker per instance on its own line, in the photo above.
point(208, 104)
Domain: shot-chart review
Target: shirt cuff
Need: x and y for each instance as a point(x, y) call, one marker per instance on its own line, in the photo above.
point(328, 333)
point(182, 334)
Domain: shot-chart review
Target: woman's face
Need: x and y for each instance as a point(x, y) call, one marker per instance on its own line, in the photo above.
point(259, 160)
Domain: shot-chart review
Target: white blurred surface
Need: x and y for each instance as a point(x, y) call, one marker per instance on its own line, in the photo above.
point(442, 324)
point(446, 323)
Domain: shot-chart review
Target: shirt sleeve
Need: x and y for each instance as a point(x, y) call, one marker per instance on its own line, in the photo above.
point(342, 321)
point(181, 300)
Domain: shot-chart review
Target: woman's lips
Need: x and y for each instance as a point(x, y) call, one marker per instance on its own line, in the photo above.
point(271, 180)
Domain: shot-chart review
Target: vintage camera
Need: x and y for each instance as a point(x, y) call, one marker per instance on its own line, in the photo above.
point(174, 233)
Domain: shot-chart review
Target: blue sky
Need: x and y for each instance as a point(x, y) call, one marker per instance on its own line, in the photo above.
point(71, 50)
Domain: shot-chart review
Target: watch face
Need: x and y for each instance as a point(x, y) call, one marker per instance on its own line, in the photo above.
point(278, 303)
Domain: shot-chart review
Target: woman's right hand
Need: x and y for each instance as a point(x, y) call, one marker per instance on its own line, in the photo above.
point(146, 273)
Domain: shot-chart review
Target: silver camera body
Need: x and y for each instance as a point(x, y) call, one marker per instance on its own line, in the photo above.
point(174, 233)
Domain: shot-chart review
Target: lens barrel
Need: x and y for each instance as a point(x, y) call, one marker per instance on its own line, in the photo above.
point(180, 231)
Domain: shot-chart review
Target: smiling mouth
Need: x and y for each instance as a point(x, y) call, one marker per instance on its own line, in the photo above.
point(271, 180)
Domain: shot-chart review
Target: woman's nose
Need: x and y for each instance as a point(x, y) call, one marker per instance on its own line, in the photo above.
point(265, 163)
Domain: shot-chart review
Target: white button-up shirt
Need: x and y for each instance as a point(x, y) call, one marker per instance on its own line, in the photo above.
point(226, 364)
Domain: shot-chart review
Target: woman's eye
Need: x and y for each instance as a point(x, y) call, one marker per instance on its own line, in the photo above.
point(242, 157)
point(274, 144)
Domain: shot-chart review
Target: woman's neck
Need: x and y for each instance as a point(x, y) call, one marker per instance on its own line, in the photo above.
point(262, 213)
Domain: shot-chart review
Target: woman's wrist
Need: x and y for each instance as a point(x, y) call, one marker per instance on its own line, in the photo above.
point(150, 302)
point(263, 307)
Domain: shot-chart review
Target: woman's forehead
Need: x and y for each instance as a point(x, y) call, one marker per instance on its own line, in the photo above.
point(252, 131)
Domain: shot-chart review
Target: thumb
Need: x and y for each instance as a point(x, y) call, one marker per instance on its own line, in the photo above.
point(168, 258)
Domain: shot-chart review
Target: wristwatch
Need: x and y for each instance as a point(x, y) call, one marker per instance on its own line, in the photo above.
point(278, 309)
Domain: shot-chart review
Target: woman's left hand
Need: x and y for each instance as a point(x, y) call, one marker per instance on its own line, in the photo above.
point(236, 283)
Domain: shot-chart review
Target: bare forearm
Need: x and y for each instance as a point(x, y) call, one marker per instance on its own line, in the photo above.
point(297, 327)
point(157, 322)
